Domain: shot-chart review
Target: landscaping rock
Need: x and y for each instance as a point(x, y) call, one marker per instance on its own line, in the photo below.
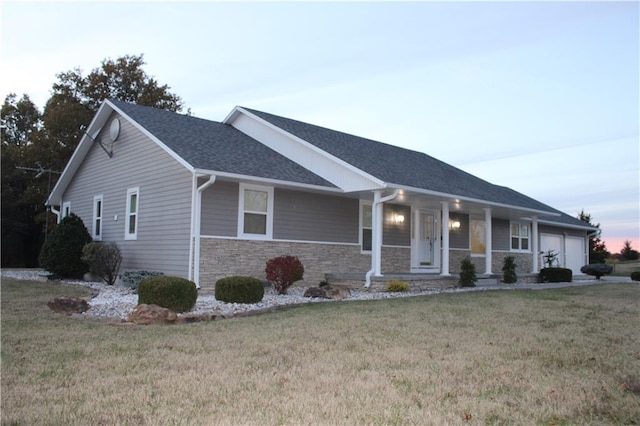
point(68, 305)
point(328, 292)
point(152, 314)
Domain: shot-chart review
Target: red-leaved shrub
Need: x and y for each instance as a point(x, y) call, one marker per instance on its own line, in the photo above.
point(283, 271)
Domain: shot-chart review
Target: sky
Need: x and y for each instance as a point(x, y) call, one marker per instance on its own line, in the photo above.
point(542, 97)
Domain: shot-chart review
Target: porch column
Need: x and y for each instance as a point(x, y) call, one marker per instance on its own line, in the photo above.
point(487, 245)
point(376, 234)
point(445, 239)
point(534, 244)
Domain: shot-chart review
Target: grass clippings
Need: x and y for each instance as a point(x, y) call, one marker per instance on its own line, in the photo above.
point(564, 356)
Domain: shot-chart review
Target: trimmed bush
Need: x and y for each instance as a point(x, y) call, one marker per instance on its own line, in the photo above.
point(467, 273)
point(283, 271)
point(597, 269)
point(635, 276)
point(103, 259)
point(509, 275)
point(397, 286)
point(61, 254)
point(132, 279)
point(556, 275)
point(175, 293)
point(239, 289)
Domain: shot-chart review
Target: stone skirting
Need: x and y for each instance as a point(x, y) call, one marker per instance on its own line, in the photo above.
point(524, 261)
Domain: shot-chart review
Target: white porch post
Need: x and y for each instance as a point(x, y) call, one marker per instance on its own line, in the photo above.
point(487, 250)
point(445, 239)
point(534, 244)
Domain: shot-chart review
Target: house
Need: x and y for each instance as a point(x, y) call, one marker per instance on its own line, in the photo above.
point(203, 200)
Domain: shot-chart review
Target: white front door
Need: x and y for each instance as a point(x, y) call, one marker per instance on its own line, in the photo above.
point(425, 241)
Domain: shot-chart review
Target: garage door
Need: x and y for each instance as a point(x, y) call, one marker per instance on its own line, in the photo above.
point(551, 242)
point(575, 256)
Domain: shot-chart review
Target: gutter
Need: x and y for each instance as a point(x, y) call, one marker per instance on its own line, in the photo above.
point(376, 255)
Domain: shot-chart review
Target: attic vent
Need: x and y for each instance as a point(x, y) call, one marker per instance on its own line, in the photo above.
point(114, 130)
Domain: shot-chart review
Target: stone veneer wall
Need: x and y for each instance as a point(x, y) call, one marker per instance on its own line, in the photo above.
point(524, 262)
point(221, 258)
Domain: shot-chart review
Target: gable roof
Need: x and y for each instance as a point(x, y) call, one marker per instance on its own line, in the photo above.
point(407, 168)
point(213, 146)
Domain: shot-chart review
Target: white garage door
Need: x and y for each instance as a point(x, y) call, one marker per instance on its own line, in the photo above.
point(551, 242)
point(576, 257)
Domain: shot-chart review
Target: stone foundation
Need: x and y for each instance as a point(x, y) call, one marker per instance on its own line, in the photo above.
point(524, 262)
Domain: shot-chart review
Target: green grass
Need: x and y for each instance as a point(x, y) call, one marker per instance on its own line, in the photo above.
point(566, 356)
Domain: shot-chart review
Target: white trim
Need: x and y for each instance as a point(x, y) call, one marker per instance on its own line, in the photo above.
point(520, 223)
point(127, 214)
point(488, 243)
point(66, 209)
point(445, 240)
point(269, 213)
point(96, 232)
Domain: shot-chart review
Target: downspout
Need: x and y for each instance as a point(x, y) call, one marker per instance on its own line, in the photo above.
point(56, 212)
point(376, 240)
point(196, 230)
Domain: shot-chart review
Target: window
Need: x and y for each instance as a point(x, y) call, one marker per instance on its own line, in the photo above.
point(478, 236)
point(366, 222)
point(131, 217)
point(66, 209)
point(97, 217)
point(519, 236)
point(256, 211)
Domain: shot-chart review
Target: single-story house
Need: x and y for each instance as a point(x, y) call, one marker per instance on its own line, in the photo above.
point(203, 200)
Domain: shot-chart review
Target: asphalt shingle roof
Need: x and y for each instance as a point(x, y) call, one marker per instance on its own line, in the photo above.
point(405, 167)
point(210, 145)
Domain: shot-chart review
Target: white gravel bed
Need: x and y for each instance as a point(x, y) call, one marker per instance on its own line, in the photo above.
point(118, 301)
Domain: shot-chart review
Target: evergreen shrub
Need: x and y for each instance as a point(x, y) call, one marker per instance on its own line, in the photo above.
point(509, 275)
point(283, 271)
point(239, 289)
point(635, 276)
point(175, 293)
point(597, 269)
point(556, 275)
point(467, 273)
point(61, 254)
point(132, 279)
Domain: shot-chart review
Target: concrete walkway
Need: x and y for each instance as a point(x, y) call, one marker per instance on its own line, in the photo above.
point(577, 283)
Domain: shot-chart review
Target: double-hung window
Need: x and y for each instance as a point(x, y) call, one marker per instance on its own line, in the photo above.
point(131, 216)
point(98, 206)
point(478, 237)
point(255, 212)
point(519, 236)
point(366, 227)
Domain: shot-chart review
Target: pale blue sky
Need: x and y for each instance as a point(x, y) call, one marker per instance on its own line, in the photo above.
point(541, 96)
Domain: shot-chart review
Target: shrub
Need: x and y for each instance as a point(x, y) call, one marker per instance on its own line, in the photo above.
point(61, 254)
point(467, 273)
point(556, 275)
point(104, 260)
point(175, 293)
point(283, 271)
point(239, 289)
point(597, 269)
point(509, 275)
point(635, 276)
point(397, 286)
point(132, 279)
point(323, 283)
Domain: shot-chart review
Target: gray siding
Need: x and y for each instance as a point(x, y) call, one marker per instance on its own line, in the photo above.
point(546, 229)
point(396, 234)
point(500, 235)
point(459, 239)
point(301, 216)
point(220, 210)
point(164, 218)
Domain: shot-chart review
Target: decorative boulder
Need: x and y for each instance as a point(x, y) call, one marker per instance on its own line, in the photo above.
point(68, 305)
point(152, 314)
point(328, 292)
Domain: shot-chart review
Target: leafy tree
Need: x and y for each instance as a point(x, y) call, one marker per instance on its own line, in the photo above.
point(627, 252)
point(598, 252)
point(46, 141)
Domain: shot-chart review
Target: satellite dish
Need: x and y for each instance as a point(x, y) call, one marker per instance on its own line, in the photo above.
point(114, 130)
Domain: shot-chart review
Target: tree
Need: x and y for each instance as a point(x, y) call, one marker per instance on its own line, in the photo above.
point(598, 252)
point(46, 141)
point(627, 252)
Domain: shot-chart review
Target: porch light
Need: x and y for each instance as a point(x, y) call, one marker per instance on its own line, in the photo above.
point(398, 218)
point(454, 225)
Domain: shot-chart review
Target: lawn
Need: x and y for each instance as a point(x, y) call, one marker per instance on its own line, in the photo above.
point(565, 356)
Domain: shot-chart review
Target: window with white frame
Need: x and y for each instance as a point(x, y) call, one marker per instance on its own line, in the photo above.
point(478, 236)
point(519, 236)
point(98, 206)
point(131, 216)
point(66, 209)
point(366, 226)
point(255, 211)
